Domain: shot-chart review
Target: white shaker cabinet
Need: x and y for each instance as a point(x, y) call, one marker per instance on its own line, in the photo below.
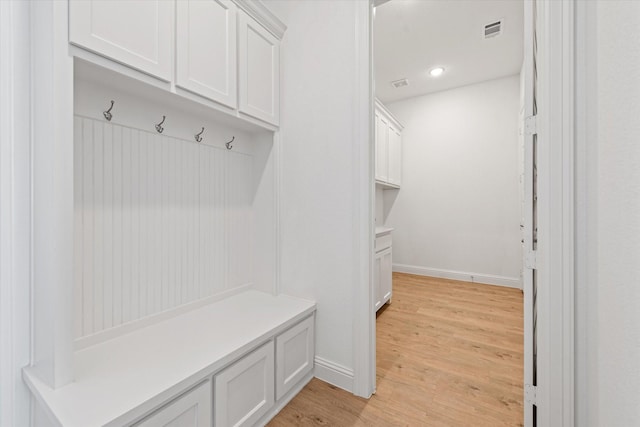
point(382, 271)
point(192, 409)
point(382, 147)
point(244, 391)
point(388, 143)
point(137, 33)
point(259, 72)
point(394, 156)
point(206, 49)
point(294, 356)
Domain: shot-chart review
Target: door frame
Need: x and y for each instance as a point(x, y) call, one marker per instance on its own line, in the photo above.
point(556, 260)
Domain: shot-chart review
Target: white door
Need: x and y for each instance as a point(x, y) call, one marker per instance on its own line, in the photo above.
point(206, 49)
point(530, 217)
point(245, 391)
point(382, 148)
point(395, 156)
point(294, 355)
point(259, 73)
point(193, 409)
point(137, 33)
point(386, 275)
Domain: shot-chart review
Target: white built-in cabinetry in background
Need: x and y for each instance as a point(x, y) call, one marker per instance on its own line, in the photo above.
point(382, 268)
point(221, 53)
point(388, 142)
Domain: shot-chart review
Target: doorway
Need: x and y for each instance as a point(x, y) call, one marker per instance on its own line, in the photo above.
point(437, 85)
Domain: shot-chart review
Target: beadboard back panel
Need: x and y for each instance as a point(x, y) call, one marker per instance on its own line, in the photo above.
point(160, 222)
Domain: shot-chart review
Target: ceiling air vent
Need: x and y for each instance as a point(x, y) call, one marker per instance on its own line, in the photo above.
point(492, 30)
point(400, 83)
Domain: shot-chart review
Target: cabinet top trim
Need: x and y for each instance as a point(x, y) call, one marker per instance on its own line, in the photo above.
point(385, 110)
point(261, 13)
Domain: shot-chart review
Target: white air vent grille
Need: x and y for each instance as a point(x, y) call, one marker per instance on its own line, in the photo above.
point(400, 83)
point(493, 29)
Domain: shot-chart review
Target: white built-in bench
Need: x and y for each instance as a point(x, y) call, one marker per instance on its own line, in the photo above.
point(234, 362)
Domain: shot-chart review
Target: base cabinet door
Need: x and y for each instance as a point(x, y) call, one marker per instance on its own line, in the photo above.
point(377, 276)
point(245, 391)
point(294, 355)
point(386, 275)
point(206, 49)
point(137, 33)
point(193, 409)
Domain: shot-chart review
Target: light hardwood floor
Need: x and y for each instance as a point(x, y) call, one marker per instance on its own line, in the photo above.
point(449, 353)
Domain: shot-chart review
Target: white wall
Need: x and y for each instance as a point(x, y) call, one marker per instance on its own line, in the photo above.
point(15, 205)
point(319, 166)
point(618, 213)
point(458, 211)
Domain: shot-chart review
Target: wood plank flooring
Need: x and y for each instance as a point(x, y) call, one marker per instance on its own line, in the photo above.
point(449, 353)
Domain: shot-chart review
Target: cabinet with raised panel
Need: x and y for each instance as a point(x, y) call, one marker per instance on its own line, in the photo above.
point(259, 72)
point(388, 148)
point(206, 49)
point(136, 33)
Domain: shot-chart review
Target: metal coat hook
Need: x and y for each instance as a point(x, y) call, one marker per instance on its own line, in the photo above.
point(107, 114)
point(159, 127)
point(228, 144)
point(198, 136)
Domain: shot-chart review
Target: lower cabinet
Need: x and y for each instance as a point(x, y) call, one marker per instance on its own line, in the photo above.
point(294, 356)
point(244, 391)
point(192, 409)
point(382, 271)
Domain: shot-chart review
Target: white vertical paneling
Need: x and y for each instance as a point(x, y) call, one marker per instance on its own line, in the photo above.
point(98, 226)
point(78, 209)
point(160, 222)
point(108, 208)
point(239, 218)
point(87, 227)
point(117, 229)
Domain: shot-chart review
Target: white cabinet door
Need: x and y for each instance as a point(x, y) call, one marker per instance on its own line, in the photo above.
point(193, 409)
point(386, 275)
point(137, 33)
point(259, 73)
point(244, 391)
point(206, 49)
point(382, 143)
point(294, 355)
point(395, 156)
point(377, 277)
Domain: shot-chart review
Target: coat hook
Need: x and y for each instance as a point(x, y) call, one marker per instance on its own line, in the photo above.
point(228, 144)
point(107, 114)
point(159, 127)
point(198, 136)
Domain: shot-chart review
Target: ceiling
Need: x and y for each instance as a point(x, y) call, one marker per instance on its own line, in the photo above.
point(413, 36)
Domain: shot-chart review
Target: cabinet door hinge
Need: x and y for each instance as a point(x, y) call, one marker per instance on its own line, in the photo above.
point(530, 394)
point(531, 260)
point(531, 125)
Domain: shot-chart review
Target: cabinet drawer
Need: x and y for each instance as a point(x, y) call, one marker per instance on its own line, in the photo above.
point(383, 242)
point(294, 355)
point(192, 409)
point(244, 391)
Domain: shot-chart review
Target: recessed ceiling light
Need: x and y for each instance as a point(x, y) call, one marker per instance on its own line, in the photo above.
point(435, 72)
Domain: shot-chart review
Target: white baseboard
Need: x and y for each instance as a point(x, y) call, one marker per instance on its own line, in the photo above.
point(280, 404)
point(487, 279)
point(334, 374)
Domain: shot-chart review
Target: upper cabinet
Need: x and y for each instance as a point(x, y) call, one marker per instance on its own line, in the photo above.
point(259, 70)
point(388, 142)
point(224, 51)
point(206, 49)
point(137, 33)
